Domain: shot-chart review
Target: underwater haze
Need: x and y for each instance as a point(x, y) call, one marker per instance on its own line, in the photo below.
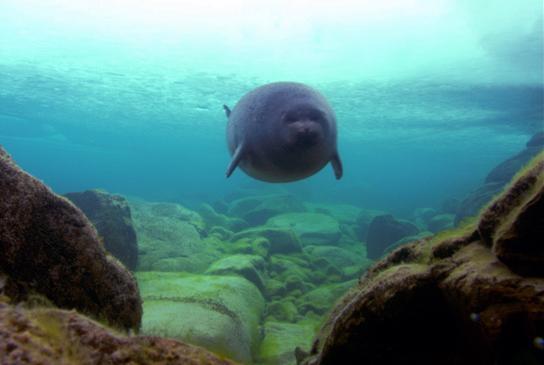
point(127, 95)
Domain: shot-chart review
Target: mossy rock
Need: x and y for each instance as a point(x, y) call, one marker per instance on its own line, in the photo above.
point(321, 299)
point(281, 240)
point(212, 218)
point(251, 267)
point(441, 222)
point(311, 228)
point(169, 240)
point(343, 213)
point(281, 340)
point(283, 310)
point(256, 210)
point(220, 313)
point(335, 255)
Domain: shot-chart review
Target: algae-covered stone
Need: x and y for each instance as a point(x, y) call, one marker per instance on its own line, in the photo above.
point(53, 336)
point(335, 255)
point(385, 230)
point(321, 299)
point(220, 313)
point(250, 267)
point(281, 240)
point(212, 218)
point(311, 228)
point(281, 340)
point(169, 239)
point(256, 210)
point(282, 310)
point(343, 213)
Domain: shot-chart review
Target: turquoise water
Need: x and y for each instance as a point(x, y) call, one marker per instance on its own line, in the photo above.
point(127, 96)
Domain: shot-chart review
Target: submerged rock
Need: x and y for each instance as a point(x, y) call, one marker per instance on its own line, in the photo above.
point(385, 230)
point(311, 228)
point(220, 313)
point(111, 216)
point(54, 336)
point(250, 267)
point(281, 240)
point(281, 341)
point(169, 238)
point(256, 210)
point(50, 248)
point(475, 296)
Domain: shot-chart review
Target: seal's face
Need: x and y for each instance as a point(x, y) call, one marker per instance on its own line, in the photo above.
point(303, 128)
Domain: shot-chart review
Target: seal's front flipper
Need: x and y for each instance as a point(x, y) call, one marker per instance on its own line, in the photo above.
point(227, 110)
point(236, 157)
point(337, 166)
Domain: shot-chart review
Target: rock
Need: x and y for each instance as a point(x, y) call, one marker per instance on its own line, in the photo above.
point(220, 313)
point(54, 336)
point(441, 222)
point(321, 299)
point(256, 210)
point(363, 222)
point(422, 216)
point(169, 238)
point(513, 225)
point(282, 310)
point(111, 216)
point(343, 213)
point(474, 296)
point(281, 340)
point(310, 228)
point(212, 218)
point(49, 247)
point(476, 200)
point(281, 240)
point(385, 230)
point(250, 267)
point(335, 255)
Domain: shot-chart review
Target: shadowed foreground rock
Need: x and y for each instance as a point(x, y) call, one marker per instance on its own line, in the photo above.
point(48, 247)
point(458, 298)
point(111, 216)
point(53, 336)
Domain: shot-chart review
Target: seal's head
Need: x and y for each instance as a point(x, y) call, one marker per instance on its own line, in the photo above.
point(303, 127)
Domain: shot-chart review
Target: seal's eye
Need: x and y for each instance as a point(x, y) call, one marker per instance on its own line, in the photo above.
point(290, 118)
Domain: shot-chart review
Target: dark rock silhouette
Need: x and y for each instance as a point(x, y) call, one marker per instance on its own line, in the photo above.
point(111, 216)
point(49, 248)
point(385, 230)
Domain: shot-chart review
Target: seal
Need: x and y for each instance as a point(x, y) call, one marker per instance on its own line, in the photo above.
point(281, 132)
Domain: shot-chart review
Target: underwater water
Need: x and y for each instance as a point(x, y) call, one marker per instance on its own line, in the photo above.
point(127, 96)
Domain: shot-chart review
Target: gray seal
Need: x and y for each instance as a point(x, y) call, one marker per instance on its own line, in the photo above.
point(281, 132)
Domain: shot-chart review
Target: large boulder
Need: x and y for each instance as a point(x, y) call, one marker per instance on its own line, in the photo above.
point(311, 228)
point(50, 248)
point(476, 199)
point(385, 230)
point(251, 267)
point(169, 238)
point(220, 313)
point(281, 341)
point(53, 336)
point(475, 296)
point(111, 216)
point(256, 210)
point(282, 240)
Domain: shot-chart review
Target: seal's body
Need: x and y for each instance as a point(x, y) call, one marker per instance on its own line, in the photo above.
point(282, 132)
